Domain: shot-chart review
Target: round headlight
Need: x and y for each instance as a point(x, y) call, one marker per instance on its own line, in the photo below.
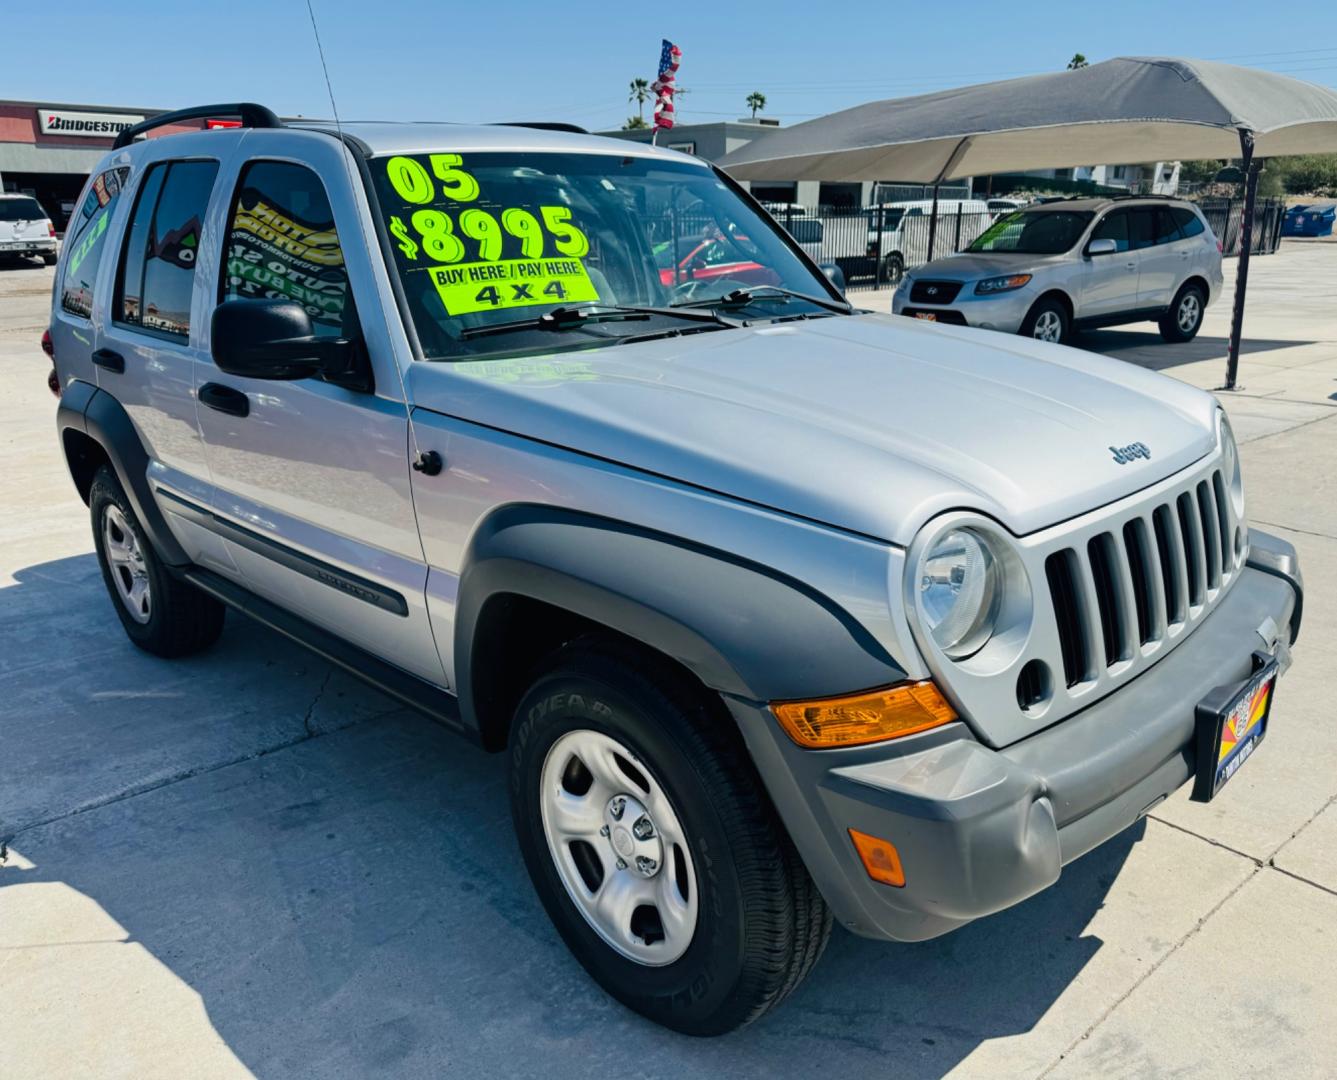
point(1230, 458)
point(959, 591)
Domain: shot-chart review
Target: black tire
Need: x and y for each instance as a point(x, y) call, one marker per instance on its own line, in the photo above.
point(49, 260)
point(180, 619)
point(1183, 320)
point(761, 922)
point(1043, 315)
point(893, 268)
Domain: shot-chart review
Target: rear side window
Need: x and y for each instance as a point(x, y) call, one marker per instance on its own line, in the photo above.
point(161, 246)
point(1189, 222)
point(1141, 228)
point(85, 237)
point(282, 245)
point(1167, 229)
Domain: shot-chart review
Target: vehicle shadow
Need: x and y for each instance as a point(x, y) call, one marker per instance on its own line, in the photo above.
point(1148, 349)
point(353, 903)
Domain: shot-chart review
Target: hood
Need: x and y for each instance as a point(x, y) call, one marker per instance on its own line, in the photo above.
point(967, 267)
point(870, 423)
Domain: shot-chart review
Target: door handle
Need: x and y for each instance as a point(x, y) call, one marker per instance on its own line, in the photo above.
point(1131, 265)
point(112, 361)
point(224, 399)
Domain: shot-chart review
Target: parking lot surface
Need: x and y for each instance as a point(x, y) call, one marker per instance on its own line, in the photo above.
point(247, 863)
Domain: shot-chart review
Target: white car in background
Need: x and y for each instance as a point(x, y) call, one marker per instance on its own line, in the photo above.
point(1076, 264)
point(25, 229)
point(903, 237)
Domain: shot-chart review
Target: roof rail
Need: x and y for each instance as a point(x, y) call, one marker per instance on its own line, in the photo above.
point(545, 125)
point(256, 116)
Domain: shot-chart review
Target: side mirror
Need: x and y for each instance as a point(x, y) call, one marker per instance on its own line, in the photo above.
point(834, 274)
point(273, 339)
point(1102, 247)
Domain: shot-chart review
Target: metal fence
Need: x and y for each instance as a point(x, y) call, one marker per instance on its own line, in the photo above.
point(875, 245)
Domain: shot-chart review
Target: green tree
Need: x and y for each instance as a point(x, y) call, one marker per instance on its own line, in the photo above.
point(756, 100)
point(640, 94)
point(1202, 171)
point(635, 123)
point(1077, 61)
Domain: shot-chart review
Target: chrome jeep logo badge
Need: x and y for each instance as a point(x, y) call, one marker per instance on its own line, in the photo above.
point(1124, 454)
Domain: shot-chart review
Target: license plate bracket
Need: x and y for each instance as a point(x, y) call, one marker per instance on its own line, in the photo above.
point(1231, 722)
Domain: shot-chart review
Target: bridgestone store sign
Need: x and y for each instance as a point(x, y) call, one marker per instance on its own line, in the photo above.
point(89, 125)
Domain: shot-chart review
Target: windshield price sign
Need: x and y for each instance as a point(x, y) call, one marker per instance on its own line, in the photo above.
point(461, 246)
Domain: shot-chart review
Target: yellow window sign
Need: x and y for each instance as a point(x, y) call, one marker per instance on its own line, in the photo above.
point(487, 286)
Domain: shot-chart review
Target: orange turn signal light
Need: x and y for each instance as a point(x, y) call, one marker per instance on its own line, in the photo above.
point(880, 858)
point(864, 718)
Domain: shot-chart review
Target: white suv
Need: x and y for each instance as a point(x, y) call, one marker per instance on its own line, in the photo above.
point(1076, 264)
point(25, 229)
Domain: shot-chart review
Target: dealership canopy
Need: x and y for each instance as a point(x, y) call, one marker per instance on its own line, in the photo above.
point(1131, 108)
point(1126, 109)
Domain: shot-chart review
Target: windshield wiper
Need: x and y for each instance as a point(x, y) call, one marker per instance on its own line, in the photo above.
point(743, 297)
point(564, 318)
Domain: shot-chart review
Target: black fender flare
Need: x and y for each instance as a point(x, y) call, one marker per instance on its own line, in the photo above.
point(96, 414)
point(742, 628)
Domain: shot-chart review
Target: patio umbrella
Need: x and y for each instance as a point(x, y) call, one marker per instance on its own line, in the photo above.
point(1126, 109)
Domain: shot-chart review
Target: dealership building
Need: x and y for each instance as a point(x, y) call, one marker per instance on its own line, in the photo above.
point(47, 150)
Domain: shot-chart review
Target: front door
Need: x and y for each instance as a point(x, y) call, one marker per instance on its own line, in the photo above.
point(312, 478)
point(1110, 281)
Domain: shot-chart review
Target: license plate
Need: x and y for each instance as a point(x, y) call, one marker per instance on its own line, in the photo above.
point(927, 316)
point(1231, 722)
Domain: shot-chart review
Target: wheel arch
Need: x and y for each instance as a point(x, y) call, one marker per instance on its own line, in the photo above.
point(95, 430)
point(535, 577)
point(1198, 280)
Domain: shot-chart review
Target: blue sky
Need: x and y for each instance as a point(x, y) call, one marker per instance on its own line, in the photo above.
point(524, 60)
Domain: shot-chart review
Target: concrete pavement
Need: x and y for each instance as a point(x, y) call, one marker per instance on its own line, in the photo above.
point(246, 863)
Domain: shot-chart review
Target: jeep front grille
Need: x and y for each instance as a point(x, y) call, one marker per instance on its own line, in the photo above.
point(1138, 581)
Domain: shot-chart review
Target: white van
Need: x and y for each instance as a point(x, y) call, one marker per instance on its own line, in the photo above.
point(902, 239)
point(25, 229)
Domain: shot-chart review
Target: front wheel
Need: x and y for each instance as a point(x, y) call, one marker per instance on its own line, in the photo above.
point(652, 845)
point(893, 269)
point(1047, 321)
point(1184, 319)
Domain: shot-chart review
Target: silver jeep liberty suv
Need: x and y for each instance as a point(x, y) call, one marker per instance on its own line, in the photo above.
point(783, 611)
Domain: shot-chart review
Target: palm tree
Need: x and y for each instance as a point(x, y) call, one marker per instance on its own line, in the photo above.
point(756, 100)
point(640, 93)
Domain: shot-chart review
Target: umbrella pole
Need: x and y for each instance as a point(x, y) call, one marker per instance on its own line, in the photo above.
point(933, 223)
point(1242, 270)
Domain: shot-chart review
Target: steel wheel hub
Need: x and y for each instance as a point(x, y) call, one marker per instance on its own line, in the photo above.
point(618, 846)
point(125, 560)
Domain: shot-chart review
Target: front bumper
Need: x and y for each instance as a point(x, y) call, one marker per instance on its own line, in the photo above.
point(1004, 311)
point(978, 829)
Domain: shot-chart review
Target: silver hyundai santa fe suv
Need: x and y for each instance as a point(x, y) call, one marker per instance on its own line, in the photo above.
point(1076, 264)
point(783, 611)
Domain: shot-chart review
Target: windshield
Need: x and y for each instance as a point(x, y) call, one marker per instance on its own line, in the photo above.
point(1034, 232)
point(21, 210)
point(482, 240)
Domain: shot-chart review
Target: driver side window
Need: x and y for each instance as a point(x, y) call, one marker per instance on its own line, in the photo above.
point(282, 245)
point(1113, 227)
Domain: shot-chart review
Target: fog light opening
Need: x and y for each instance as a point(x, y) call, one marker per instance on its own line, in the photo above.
point(1035, 686)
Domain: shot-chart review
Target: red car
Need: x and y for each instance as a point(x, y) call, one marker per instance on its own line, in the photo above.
point(710, 259)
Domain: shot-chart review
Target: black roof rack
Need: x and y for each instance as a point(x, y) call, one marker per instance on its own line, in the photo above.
point(546, 125)
point(252, 115)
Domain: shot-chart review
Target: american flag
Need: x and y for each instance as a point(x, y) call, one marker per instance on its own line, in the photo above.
point(669, 58)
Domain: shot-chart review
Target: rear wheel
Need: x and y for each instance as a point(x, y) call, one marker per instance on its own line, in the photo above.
point(893, 268)
point(1184, 319)
point(653, 846)
point(49, 260)
point(1048, 320)
point(161, 614)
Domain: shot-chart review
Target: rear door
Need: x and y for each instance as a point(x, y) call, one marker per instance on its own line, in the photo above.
point(1110, 281)
point(1163, 259)
point(147, 341)
point(312, 478)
